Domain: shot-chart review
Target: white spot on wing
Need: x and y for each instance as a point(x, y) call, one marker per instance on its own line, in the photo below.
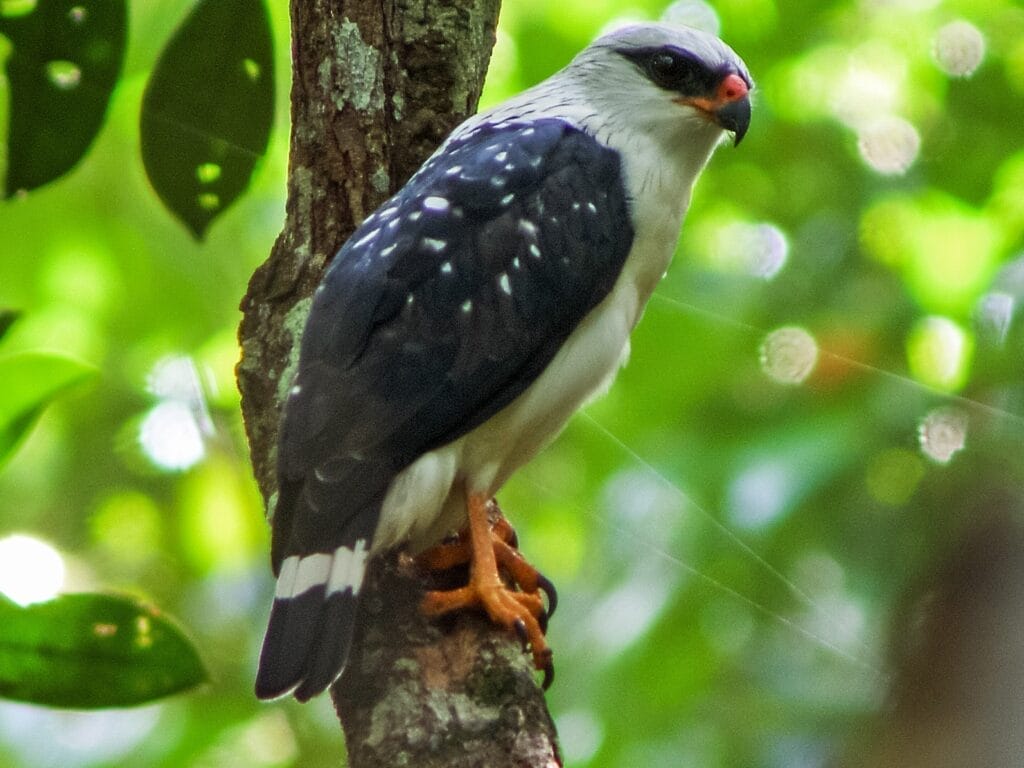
point(534, 251)
point(527, 227)
point(366, 238)
point(505, 283)
point(592, 208)
point(501, 157)
point(433, 244)
point(508, 199)
point(446, 268)
point(388, 250)
point(436, 204)
point(467, 306)
point(455, 170)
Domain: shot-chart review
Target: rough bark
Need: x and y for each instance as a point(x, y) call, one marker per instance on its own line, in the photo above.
point(436, 694)
point(375, 87)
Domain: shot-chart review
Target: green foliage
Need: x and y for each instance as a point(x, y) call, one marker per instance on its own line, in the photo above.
point(29, 381)
point(90, 651)
point(65, 60)
point(730, 549)
point(206, 113)
point(208, 108)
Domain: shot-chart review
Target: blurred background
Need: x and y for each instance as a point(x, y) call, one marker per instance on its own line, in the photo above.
point(800, 494)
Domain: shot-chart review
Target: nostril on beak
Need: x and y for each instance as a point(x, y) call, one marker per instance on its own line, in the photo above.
point(733, 87)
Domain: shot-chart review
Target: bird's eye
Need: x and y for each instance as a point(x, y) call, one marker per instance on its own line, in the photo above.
point(675, 72)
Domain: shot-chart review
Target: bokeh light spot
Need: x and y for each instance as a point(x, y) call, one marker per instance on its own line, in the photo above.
point(939, 353)
point(760, 493)
point(942, 433)
point(893, 476)
point(959, 48)
point(757, 250)
point(693, 13)
point(128, 526)
point(995, 314)
point(31, 571)
point(580, 734)
point(170, 436)
point(889, 145)
point(788, 355)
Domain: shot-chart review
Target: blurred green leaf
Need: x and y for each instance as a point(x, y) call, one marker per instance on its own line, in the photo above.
point(29, 381)
point(7, 318)
point(91, 651)
point(208, 108)
point(64, 65)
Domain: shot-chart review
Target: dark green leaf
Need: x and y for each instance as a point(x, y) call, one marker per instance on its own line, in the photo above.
point(64, 64)
point(208, 108)
point(29, 381)
point(7, 318)
point(90, 651)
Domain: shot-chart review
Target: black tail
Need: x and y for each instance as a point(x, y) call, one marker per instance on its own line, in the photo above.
point(323, 529)
point(311, 622)
point(306, 644)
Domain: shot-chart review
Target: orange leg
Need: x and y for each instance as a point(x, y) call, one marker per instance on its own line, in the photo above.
point(485, 547)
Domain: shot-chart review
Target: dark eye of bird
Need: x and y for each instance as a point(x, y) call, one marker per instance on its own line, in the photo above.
point(676, 73)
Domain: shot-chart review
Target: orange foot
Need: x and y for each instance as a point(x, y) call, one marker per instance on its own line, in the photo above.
point(489, 542)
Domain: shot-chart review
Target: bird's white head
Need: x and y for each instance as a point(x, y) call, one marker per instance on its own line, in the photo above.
point(676, 84)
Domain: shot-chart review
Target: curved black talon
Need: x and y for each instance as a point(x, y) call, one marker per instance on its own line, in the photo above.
point(549, 673)
point(520, 627)
point(542, 621)
point(545, 586)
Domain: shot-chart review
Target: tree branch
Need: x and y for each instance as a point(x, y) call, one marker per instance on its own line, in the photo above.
point(375, 87)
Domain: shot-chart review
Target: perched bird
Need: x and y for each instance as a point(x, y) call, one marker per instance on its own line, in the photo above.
point(467, 319)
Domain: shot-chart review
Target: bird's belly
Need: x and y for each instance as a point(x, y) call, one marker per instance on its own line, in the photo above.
point(582, 369)
point(426, 500)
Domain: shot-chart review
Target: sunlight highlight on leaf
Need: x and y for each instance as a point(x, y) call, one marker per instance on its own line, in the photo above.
point(64, 74)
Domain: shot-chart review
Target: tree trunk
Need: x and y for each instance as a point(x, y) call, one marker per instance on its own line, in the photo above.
point(376, 86)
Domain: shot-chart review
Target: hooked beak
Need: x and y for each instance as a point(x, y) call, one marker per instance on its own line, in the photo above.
point(729, 108)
